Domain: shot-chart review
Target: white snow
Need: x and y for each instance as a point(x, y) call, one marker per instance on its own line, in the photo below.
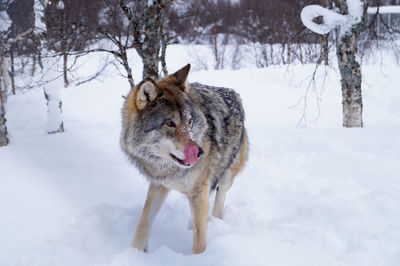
point(355, 9)
point(39, 10)
point(53, 82)
point(5, 21)
point(332, 19)
point(384, 10)
point(322, 195)
point(60, 5)
point(54, 115)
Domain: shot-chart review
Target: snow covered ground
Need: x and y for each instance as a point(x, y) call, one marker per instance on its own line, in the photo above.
point(320, 195)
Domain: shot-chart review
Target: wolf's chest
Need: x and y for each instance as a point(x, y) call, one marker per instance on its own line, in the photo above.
point(183, 183)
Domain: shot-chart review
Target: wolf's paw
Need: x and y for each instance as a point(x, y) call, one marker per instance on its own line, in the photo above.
point(217, 215)
point(140, 246)
point(198, 248)
point(143, 249)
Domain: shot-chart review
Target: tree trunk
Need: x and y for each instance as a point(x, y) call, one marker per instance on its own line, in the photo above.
point(271, 53)
point(150, 48)
point(125, 63)
point(147, 37)
point(3, 126)
point(325, 48)
point(350, 72)
point(283, 45)
point(215, 47)
point(164, 43)
point(33, 66)
point(325, 38)
point(65, 68)
point(300, 48)
point(12, 76)
point(3, 99)
point(150, 61)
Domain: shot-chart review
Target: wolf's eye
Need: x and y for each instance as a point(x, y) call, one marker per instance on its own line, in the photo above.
point(190, 122)
point(170, 123)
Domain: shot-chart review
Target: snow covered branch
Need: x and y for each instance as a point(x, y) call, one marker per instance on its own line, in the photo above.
point(329, 19)
point(384, 10)
point(19, 37)
point(322, 20)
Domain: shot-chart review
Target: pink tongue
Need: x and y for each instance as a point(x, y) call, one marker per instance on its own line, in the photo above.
point(190, 153)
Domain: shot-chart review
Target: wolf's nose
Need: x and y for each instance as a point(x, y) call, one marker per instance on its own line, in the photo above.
point(200, 152)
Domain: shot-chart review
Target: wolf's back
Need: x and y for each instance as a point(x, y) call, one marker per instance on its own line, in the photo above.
point(223, 110)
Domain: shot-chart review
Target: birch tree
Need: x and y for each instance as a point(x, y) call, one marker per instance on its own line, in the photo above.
point(3, 97)
point(131, 24)
point(146, 18)
point(5, 46)
point(4, 76)
point(349, 22)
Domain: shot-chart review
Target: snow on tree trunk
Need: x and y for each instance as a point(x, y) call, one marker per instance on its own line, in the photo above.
point(52, 94)
point(349, 23)
point(54, 122)
point(54, 81)
point(39, 7)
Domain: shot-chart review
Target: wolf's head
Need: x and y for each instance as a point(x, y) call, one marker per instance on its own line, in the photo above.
point(161, 122)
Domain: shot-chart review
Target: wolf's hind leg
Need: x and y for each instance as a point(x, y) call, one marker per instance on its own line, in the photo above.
point(225, 182)
point(220, 197)
point(155, 198)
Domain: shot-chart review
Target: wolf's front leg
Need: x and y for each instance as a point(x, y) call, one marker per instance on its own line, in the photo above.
point(199, 205)
point(155, 198)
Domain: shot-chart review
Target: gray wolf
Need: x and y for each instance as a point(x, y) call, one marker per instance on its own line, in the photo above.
point(188, 137)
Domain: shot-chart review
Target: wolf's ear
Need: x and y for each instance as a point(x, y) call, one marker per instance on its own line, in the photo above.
point(147, 92)
point(181, 74)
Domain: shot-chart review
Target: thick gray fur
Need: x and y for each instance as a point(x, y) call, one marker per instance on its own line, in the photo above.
point(218, 119)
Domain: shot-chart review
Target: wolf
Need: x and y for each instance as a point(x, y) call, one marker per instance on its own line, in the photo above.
point(187, 137)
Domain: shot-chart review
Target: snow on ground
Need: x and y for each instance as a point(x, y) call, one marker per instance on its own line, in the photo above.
point(321, 195)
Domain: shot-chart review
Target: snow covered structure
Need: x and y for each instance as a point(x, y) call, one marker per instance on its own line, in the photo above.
point(348, 22)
